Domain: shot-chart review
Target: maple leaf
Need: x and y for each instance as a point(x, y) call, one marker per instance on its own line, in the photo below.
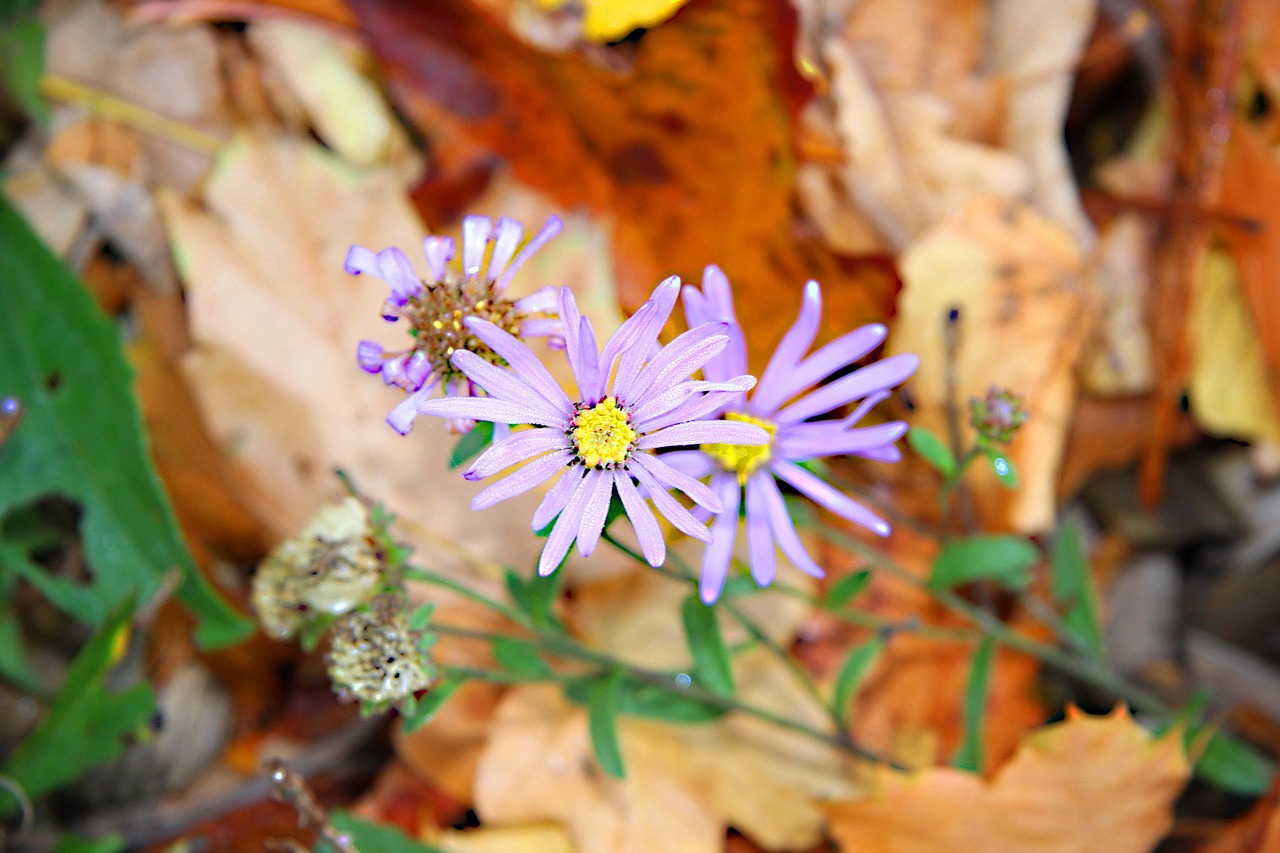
point(1089, 783)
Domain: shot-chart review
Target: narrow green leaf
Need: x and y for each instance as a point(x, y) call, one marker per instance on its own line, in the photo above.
point(420, 618)
point(537, 595)
point(1003, 467)
point(471, 444)
point(1073, 589)
point(433, 700)
point(86, 723)
point(520, 656)
point(711, 661)
point(969, 755)
point(651, 701)
point(81, 435)
point(1007, 560)
point(846, 588)
point(75, 844)
point(854, 671)
point(602, 715)
point(931, 449)
point(373, 837)
point(1231, 764)
point(22, 64)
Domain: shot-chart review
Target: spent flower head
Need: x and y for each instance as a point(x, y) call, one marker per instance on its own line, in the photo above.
point(997, 416)
point(784, 404)
point(632, 399)
point(329, 568)
point(436, 309)
point(375, 658)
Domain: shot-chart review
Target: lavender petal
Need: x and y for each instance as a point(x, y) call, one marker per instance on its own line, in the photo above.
point(675, 479)
point(541, 301)
point(515, 449)
point(506, 386)
point(556, 497)
point(597, 508)
point(724, 532)
point(506, 236)
point(793, 346)
point(695, 463)
point(857, 440)
point(369, 355)
point(838, 354)
point(401, 417)
point(648, 532)
point(438, 251)
point(361, 261)
point(551, 228)
point(705, 432)
point(669, 401)
point(676, 361)
point(860, 383)
point(590, 380)
point(396, 270)
point(480, 409)
point(669, 506)
point(783, 529)
point(475, 239)
point(521, 481)
point(521, 360)
point(565, 529)
point(760, 545)
point(824, 494)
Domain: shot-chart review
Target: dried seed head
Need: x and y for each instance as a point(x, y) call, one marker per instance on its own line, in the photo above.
point(374, 657)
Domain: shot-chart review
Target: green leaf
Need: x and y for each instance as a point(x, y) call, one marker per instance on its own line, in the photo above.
point(13, 660)
point(373, 837)
point(1232, 764)
point(75, 844)
point(471, 444)
point(931, 449)
point(854, 671)
point(86, 724)
point(536, 595)
point(1007, 560)
point(22, 65)
point(420, 618)
point(429, 703)
point(969, 754)
point(602, 717)
point(520, 656)
point(81, 436)
point(1002, 466)
point(711, 661)
point(652, 702)
point(1073, 589)
point(845, 589)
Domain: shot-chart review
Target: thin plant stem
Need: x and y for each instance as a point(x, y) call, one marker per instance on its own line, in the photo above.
point(131, 115)
point(417, 574)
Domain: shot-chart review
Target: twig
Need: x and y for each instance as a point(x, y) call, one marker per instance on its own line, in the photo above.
point(130, 115)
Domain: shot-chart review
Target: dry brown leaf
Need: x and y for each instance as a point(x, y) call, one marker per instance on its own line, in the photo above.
point(1090, 783)
point(521, 839)
point(1256, 831)
point(1016, 279)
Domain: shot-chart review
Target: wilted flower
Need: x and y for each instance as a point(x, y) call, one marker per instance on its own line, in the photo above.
point(374, 657)
point(631, 401)
point(331, 567)
point(782, 404)
point(998, 416)
point(436, 309)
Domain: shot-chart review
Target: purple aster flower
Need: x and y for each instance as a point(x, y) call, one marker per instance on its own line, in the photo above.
point(788, 396)
point(631, 400)
point(436, 309)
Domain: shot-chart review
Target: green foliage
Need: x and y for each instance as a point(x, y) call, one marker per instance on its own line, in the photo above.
point(931, 449)
point(535, 596)
point(372, 837)
point(81, 437)
point(1002, 466)
point(1230, 763)
point(711, 661)
point(603, 700)
point(1007, 560)
point(666, 703)
point(420, 618)
point(846, 589)
point(471, 444)
point(86, 724)
point(22, 64)
point(520, 656)
point(13, 662)
point(75, 844)
point(431, 702)
point(854, 671)
point(969, 754)
point(1073, 589)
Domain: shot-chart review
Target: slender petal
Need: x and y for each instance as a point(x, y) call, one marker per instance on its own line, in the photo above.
point(798, 447)
point(669, 506)
point(760, 546)
point(597, 509)
point(402, 415)
point(555, 498)
point(361, 261)
point(475, 239)
point(881, 454)
point(590, 380)
point(369, 355)
point(640, 331)
point(520, 481)
point(860, 383)
point(784, 531)
point(676, 361)
point(571, 320)
point(718, 305)
point(541, 300)
point(668, 400)
point(566, 528)
point(438, 251)
point(515, 449)
point(522, 360)
point(824, 494)
point(695, 463)
point(724, 531)
point(506, 386)
point(697, 409)
point(396, 270)
point(677, 479)
point(836, 355)
point(506, 236)
point(648, 532)
point(793, 346)
point(705, 432)
point(481, 409)
point(552, 227)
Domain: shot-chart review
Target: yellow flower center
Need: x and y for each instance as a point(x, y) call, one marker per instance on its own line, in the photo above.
point(742, 459)
point(603, 435)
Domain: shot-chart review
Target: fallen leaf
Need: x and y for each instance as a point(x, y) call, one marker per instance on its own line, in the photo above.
point(1017, 280)
point(1089, 783)
point(1256, 831)
point(521, 839)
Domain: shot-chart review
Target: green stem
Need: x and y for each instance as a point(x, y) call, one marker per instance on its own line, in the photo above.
point(417, 574)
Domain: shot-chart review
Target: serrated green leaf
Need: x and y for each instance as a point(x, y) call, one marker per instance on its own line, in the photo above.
point(931, 449)
point(520, 656)
point(711, 661)
point(1002, 466)
point(845, 589)
point(81, 436)
point(370, 837)
point(854, 671)
point(969, 754)
point(431, 702)
point(471, 444)
point(1073, 589)
point(22, 65)
point(86, 724)
point(1007, 560)
point(602, 721)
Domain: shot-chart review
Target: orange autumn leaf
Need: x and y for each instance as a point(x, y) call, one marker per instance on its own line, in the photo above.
point(1256, 831)
point(1089, 783)
point(688, 149)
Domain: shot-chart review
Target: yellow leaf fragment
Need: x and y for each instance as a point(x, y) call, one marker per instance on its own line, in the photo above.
point(607, 20)
point(1089, 783)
